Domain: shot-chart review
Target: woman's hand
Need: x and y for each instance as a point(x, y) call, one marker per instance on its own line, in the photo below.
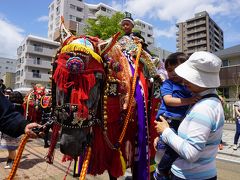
point(29, 131)
point(155, 143)
point(161, 125)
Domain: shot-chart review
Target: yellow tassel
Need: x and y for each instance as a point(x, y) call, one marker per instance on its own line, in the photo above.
point(82, 48)
point(122, 162)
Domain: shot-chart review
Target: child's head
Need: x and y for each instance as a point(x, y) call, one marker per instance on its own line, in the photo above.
point(172, 61)
point(127, 23)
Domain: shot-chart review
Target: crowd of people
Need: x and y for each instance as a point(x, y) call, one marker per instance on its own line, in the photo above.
point(189, 121)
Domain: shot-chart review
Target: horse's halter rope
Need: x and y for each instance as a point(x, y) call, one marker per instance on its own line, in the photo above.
point(130, 107)
point(28, 100)
point(18, 157)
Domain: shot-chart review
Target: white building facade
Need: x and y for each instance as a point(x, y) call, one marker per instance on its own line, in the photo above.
point(7, 65)
point(34, 57)
point(75, 13)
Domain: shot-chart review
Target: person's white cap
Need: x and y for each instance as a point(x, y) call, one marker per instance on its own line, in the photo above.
point(202, 69)
point(128, 17)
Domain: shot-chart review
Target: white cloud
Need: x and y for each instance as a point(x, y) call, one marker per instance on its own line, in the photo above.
point(172, 10)
point(169, 33)
point(42, 19)
point(116, 5)
point(10, 38)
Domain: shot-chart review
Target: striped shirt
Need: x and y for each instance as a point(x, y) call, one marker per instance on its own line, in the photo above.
point(197, 141)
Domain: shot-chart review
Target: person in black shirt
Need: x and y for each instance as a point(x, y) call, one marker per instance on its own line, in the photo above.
point(2, 86)
point(12, 122)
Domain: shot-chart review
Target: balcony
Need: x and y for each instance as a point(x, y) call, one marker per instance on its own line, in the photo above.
point(202, 35)
point(42, 64)
point(36, 77)
point(198, 43)
point(230, 76)
point(196, 30)
point(41, 51)
point(196, 23)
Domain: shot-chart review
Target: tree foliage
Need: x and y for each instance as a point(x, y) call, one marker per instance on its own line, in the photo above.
point(104, 27)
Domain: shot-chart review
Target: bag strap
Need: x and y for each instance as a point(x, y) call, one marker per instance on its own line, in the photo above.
point(210, 95)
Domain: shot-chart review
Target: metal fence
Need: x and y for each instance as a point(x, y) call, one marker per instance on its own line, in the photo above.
point(229, 112)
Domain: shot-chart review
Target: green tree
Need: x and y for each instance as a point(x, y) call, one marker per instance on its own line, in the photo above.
point(104, 27)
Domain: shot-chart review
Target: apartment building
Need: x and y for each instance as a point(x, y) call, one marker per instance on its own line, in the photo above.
point(230, 71)
point(200, 33)
point(34, 57)
point(7, 65)
point(75, 13)
point(146, 30)
point(9, 79)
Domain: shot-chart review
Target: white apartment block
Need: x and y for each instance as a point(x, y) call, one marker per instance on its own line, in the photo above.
point(75, 12)
point(7, 65)
point(34, 57)
point(146, 31)
point(71, 10)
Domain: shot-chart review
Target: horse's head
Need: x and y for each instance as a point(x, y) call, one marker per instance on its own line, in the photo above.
point(80, 73)
point(39, 91)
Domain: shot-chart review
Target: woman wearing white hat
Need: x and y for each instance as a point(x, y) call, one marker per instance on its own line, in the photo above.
point(201, 130)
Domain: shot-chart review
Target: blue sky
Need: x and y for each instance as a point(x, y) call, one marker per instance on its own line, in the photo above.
point(19, 18)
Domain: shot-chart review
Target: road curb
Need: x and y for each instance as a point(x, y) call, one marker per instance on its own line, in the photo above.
point(226, 159)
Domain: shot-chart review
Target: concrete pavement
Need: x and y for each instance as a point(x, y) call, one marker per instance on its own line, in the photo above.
point(34, 167)
point(228, 153)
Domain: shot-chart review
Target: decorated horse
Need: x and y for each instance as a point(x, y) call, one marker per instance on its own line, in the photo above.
point(100, 102)
point(35, 103)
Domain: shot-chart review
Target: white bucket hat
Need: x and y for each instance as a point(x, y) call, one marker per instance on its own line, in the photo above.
point(202, 69)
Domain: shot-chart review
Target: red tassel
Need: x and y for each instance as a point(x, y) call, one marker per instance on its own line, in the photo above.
point(86, 83)
point(55, 133)
point(61, 73)
point(66, 158)
point(74, 97)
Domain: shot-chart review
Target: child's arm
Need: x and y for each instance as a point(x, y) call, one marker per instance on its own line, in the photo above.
point(237, 111)
point(173, 101)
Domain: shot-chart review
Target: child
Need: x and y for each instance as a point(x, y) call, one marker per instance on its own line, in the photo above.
point(175, 103)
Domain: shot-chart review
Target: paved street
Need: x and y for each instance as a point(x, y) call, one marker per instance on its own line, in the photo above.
point(34, 167)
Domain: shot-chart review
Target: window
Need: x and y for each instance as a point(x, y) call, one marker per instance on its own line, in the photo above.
point(52, 7)
point(57, 10)
point(72, 6)
point(103, 9)
point(78, 19)
point(36, 74)
point(71, 17)
point(79, 9)
point(38, 48)
point(225, 63)
point(37, 61)
point(109, 11)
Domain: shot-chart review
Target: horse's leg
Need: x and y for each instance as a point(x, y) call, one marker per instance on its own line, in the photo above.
point(46, 136)
point(111, 177)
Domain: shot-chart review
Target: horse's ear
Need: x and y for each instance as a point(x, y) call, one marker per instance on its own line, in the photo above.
point(33, 85)
point(65, 34)
point(105, 46)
